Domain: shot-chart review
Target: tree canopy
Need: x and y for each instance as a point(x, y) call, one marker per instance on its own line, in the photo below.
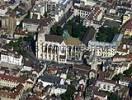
point(128, 72)
point(106, 34)
point(114, 96)
point(68, 95)
point(17, 45)
point(56, 30)
point(117, 77)
point(74, 27)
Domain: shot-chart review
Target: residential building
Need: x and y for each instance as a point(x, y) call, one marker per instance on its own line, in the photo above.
point(39, 9)
point(123, 49)
point(15, 94)
point(12, 14)
point(107, 85)
point(60, 8)
point(126, 17)
point(20, 33)
point(127, 28)
point(57, 84)
point(38, 25)
point(122, 58)
point(125, 81)
point(125, 5)
point(10, 81)
point(115, 18)
point(99, 95)
point(95, 94)
point(121, 67)
point(62, 62)
point(11, 58)
point(102, 49)
point(91, 13)
point(54, 8)
point(88, 2)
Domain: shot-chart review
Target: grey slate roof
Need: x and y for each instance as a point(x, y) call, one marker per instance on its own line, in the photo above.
point(50, 78)
point(53, 38)
point(88, 35)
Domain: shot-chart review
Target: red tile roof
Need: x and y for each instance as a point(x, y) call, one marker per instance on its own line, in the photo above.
point(107, 81)
point(127, 57)
point(121, 49)
point(12, 78)
point(110, 1)
point(33, 98)
point(12, 94)
point(127, 25)
point(93, 12)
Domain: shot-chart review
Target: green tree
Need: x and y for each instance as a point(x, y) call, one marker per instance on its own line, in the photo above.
point(68, 95)
point(117, 77)
point(17, 45)
point(56, 29)
point(106, 34)
point(69, 27)
point(128, 72)
point(131, 38)
point(114, 96)
point(75, 27)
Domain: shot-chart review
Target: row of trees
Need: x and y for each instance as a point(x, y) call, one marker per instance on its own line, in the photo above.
point(74, 27)
point(106, 34)
point(18, 45)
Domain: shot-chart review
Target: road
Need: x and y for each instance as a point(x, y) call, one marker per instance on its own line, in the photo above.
point(69, 15)
point(24, 96)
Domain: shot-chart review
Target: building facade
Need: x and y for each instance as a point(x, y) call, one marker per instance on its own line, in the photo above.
point(11, 58)
point(54, 8)
point(88, 12)
point(55, 48)
point(127, 27)
point(102, 49)
point(106, 85)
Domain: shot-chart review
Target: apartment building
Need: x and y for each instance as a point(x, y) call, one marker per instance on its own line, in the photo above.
point(10, 81)
point(11, 58)
point(106, 85)
point(91, 13)
point(127, 27)
point(38, 25)
point(15, 94)
point(102, 49)
point(54, 8)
